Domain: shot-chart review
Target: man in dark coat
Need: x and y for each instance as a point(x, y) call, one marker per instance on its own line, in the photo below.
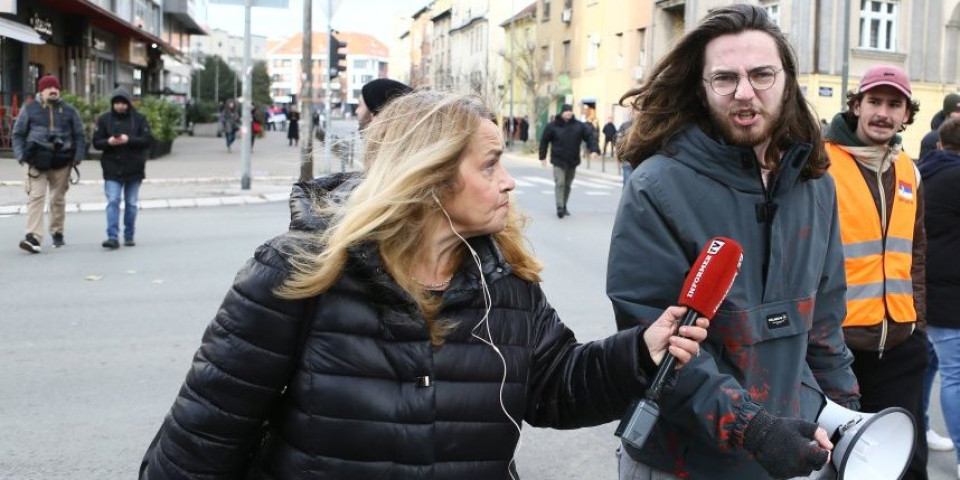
point(609, 137)
point(124, 136)
point(563, 137)
point(940, 171)
point(951, 109)
point(48, 140)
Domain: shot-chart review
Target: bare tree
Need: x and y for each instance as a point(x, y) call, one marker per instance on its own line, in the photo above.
point(533, 74)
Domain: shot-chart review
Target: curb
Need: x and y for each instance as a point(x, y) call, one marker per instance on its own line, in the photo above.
point(172, 181)
point(166, 203)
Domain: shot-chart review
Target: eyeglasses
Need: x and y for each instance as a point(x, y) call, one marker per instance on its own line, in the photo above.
point(726, 83)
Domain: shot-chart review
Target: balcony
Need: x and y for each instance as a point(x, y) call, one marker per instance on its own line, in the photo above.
point(184, 11)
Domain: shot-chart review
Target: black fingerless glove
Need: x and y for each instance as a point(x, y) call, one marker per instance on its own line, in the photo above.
point(784, 447)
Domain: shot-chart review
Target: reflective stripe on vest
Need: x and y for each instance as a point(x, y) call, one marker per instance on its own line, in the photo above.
point(879, 283)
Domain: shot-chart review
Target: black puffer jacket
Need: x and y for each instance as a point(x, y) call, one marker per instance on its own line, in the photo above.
point(563, 137)
point(128, 161)
point(357, 405)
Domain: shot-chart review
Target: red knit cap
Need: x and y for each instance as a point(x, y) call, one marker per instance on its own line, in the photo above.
point(47, 82)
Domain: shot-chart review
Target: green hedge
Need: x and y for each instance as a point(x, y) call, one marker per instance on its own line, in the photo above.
point(165, 118)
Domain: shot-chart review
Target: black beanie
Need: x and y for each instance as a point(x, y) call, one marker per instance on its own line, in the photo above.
point(377, 93)
point(566, 108)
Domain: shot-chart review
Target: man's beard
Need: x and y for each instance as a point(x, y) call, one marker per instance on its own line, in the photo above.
point(744, 137)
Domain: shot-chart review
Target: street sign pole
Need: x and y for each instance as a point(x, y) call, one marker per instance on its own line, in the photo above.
point(306, 94)
point(329, 109)
point(246, 132)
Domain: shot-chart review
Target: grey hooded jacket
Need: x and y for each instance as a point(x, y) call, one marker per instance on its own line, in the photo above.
point(776, 340)
point(40, 124)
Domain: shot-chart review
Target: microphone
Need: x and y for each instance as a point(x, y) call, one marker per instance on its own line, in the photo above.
point(704, 289)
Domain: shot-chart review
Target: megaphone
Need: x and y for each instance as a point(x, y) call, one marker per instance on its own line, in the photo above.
point(867, 446)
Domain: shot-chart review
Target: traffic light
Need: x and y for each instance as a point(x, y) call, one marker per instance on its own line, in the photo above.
point(335, 56)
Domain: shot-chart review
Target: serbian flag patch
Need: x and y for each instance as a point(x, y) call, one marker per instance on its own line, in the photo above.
point(905, 190)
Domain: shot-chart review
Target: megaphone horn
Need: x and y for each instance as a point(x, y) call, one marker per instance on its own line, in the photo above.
point(869, 446)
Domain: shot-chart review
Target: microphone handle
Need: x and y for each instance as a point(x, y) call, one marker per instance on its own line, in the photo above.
point(669, 361)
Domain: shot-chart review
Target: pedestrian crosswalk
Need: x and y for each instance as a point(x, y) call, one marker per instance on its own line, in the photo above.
point(595, 186)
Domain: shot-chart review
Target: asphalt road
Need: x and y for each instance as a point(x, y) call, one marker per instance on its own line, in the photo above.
point(94, 344)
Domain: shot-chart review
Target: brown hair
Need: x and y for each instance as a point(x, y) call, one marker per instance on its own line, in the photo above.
point(662, 106)
point(950, 135)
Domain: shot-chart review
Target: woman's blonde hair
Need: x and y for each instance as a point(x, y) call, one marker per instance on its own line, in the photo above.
point(413, 152)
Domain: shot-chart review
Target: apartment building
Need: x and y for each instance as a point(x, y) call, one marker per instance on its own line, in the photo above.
point(93, 45)
point(228, 47)
point(920, 36)
point(522, 70)
point(592, 52)
point(367, 58)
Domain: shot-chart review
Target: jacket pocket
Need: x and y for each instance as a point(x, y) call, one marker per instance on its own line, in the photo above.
point(764, 322)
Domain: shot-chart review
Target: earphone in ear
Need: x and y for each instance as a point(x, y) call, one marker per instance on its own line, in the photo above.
point(435, 199)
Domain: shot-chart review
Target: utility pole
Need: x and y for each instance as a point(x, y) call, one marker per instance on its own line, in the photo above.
point(216, 77)
point(306, 94)
point(845, 74)
point(328, 109)
point(513, 26)
point(246, 132)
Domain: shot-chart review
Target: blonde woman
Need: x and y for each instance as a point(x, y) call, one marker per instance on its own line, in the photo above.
point(428, 338)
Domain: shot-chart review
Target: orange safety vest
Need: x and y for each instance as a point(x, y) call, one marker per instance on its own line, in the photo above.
point(878, 268)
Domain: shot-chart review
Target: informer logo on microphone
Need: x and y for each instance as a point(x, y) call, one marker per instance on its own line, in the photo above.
point(715, 247)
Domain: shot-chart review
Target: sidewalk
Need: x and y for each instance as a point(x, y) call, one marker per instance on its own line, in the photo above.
point(198, 172)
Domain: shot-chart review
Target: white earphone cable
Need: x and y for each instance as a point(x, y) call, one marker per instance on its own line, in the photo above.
point(488, 302)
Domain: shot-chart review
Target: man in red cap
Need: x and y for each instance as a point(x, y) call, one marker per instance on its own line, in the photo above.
point(48, 139)
point(880, 204)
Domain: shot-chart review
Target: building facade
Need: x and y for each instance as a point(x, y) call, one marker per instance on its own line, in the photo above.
point(367, 58)
point(920, 36)
point(92, 46)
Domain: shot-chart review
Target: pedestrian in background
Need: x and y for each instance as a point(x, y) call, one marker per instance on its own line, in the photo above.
point(293, 130)
point(524, 130)
point(229, 122)
point(930, 144)
point(416, 319)
point(625, 167)
point(940, 171)
point(48, 139)
point(256, 125)
point(880, 203)
point(951, 109)
point(123, 134)
point(736, 154)
point(563, 137)
point(609, 138)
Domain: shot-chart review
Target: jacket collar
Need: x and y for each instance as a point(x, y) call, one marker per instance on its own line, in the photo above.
point(733, 165)
point(366, 262)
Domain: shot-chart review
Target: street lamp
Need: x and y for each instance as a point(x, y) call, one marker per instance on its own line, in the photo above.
point(199, 71)
point(216, 77)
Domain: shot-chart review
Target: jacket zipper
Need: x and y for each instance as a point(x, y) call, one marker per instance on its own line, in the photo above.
point(765, 213)
point(884, 326)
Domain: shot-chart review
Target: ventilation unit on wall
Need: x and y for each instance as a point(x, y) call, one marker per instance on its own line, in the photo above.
point(567, 15)
point(638, 72)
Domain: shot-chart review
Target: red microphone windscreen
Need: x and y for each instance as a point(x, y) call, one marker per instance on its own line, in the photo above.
point(711, 276)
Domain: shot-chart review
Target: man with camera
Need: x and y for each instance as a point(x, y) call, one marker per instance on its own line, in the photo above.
point(48, 139)
point(124, 136)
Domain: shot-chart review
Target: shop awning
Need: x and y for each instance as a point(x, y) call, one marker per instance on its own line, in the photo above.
point(19, 32)
point(107, 20)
